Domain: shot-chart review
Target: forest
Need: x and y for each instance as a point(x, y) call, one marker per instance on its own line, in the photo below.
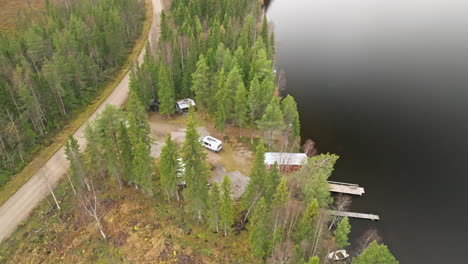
point(221, 53)
point(54, 66)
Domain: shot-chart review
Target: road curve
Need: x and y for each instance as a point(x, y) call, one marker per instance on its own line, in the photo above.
point(20, 205)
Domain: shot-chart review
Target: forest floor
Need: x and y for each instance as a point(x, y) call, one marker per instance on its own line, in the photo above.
point(140, 229)
point(20, 196)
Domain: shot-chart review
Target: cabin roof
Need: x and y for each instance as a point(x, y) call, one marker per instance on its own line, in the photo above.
point(283, 158)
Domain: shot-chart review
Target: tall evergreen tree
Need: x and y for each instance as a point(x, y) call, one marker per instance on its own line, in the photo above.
point(272, 121)
point(316, 172)
point(214, 207)
point(142, 167)
point(255, 188)
point(305, 226)
point(196, 170)
point(200, 83)
point(374, 254)
point(77, 166)
point(272, 180)
point(169, 168)
point(226, 208)
point(166, 92)
point(259, 233)
point(281, 194)
point(241, 106)
point(341, 233)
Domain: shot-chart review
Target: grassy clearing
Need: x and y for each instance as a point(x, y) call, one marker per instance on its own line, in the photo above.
point(58, 139)
point(139, 230)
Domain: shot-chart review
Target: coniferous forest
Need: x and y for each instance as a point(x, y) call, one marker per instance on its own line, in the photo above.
point(55, 66)
point(219, 52)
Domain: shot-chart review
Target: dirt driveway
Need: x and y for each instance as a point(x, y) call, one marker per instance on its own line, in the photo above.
point(234, 160)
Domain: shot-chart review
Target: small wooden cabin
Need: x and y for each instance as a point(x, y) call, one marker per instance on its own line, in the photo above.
point(287, 162)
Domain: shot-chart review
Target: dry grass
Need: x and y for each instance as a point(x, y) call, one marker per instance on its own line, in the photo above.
point(77, 119)
point(139, 230)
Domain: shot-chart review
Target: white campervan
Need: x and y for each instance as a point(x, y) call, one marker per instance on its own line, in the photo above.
point(212, 143)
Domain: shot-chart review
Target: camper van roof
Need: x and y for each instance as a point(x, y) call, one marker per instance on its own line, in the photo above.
point(185, 103)
point(212, 140)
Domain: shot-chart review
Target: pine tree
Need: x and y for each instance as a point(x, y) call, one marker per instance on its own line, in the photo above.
point(241, 106)
point(196, 170)
point(200, 83)
point(281, 194)
point(316, 172)
point(214, 207)
point(272, 120)
point(255, 188)
point(259, 233)
point(272, 181)
point(169, 168)
point(166, 92)
point(226, 209)
point(143, 167)
point(291, 115)
point(125, 147)
point(304, 227)
point(341, 233)
point(376, 253)
point(78, 170)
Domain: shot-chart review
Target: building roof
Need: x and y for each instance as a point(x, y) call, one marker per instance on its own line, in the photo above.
point(185, 103)
point(285, 158)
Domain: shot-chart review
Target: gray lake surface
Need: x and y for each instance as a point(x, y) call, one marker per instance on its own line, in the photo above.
point(384, 84)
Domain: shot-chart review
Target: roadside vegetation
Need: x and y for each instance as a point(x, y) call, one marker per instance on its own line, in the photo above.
point(119, 204)
point(54, 66)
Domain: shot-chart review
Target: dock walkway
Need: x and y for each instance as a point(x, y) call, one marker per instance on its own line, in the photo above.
point(355, 215)
point(347, 188)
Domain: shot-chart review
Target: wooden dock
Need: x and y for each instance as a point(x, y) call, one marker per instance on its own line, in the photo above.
point(347, 188)
point(355, 215)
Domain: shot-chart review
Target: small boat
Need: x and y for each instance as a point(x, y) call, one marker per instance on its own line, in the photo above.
point(338, 255)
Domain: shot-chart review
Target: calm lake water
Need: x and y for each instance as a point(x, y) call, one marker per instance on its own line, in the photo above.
point(384, 84)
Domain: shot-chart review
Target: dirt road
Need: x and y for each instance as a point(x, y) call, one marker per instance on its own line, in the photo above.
point(18, 207)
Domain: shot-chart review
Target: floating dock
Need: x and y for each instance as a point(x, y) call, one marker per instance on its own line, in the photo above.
point(355, 215)
point(347, 188)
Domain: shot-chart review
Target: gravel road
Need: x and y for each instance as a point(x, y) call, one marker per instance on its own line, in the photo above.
point(20, 205)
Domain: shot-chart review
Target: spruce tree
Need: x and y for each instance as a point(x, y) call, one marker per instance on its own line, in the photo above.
point(291, 116)
point(272, 181)
point(169, 169)
point(304, 227)
point(125, 147)
point(375, 253)
point(214, 207)
point(241, 107)
point(166, 92)
point(316, 173)
point(201, 84)
point(196, 170)
point(143, 167)
point(341, 233)
point(281, 194)
point(259, 233)
point(226, 209)
point(256, 187)
point(272, 120)
point(77, 166)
